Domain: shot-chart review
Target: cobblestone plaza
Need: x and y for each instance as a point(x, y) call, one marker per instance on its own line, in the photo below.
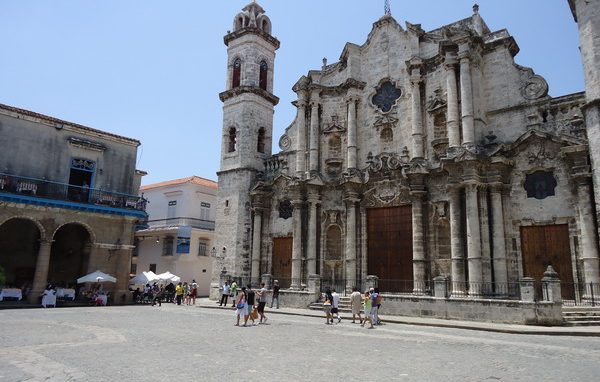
point(141, 343)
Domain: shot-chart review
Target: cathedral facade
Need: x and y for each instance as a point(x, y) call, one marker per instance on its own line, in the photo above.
point(418, 155)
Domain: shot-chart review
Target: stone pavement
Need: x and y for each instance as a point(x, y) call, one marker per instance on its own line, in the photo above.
point(586, 331)
point(186, 343)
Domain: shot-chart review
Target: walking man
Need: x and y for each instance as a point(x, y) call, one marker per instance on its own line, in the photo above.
point(225, 294)
point(275, 293)
point(356, 304)
point(335, 304)
point(262, 301)
point(234, 292)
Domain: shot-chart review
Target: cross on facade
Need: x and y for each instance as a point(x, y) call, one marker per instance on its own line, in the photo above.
point(387, 9)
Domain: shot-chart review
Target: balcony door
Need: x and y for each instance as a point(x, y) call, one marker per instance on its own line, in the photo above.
point(81, 177)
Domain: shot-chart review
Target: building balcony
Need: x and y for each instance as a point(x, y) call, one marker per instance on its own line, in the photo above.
point(207, 225)
point(54, 194)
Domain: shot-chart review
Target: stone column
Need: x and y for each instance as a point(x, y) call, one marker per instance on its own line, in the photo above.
point(417, 119)
point(256, 244)
point(466, 98)
point(351, 133)
point(486, 260)
point(473, 240)
point(499, 250)
point(351, 200)
point(589, 247)
point(40, 278)
point(301, 138)
point(314, 133)
point(452, 94)
point(311, 251)
point(297, 245)
point(456, 245)
point(123, 265)
point(418, 243)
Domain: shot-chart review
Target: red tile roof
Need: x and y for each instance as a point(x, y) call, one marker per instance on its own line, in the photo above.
point(191, 179)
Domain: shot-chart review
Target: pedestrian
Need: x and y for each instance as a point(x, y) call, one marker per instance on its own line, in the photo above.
point(275, 295)
point(241, 306)
point(376, 298)
point(225, 293)
point(234, 292)
point(356, 305)
point(335, 304)
point(186, 293)
point(262, 301)
point(158, 296)
point(327, 306)
point(179, 293)
point(193, 291)
point(250, 302)
point(367, 305)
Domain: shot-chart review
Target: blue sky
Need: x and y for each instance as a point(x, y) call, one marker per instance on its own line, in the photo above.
point(152, 69)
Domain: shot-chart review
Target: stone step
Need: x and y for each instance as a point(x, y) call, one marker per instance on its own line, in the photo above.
point(583, 323)
point(581, 314)
point(581, 318)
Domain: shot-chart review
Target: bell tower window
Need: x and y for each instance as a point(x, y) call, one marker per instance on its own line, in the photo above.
point(237, 70)
point(232, 140)
point(262, 83)
point(260, 146)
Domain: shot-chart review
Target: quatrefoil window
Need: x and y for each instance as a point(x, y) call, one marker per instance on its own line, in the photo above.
point(386, 95)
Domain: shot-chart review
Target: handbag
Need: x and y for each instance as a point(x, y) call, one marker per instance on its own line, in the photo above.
point(240, 305)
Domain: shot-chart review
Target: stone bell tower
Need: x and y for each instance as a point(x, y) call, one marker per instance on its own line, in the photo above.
point(246, 136)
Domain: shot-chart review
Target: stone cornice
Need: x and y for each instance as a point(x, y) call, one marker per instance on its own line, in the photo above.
point(224, 96)
point(249, 30)
point(342, 88)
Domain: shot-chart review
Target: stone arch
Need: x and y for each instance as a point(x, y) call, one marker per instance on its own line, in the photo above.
point(41, 228)
point(20, 240)
point(84, 225)
point(71, 252)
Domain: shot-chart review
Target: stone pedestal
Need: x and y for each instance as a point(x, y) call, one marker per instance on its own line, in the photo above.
point(551, 286)
point(314, 286)
point(527, 289)
point(440, 287)
point(372, 282)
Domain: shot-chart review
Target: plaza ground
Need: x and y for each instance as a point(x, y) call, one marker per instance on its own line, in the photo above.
point(186, 343)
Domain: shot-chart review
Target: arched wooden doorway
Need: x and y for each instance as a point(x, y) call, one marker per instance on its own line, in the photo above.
point(19, 247)
point(70, 254)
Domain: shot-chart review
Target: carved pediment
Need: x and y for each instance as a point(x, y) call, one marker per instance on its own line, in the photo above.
point(437, 101)
point(334, 126)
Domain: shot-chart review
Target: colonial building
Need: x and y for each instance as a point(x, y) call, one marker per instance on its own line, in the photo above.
point(418, 154)
point(179, 236)
point(68, 202)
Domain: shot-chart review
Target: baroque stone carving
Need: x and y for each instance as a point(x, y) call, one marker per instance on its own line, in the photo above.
point(383, 162)
point(535, 87)
point(285, 209)
point(538, 154)
point(386, 193)
point(285, 142)
point(334, 127)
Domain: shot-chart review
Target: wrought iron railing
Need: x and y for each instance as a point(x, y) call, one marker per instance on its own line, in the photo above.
point(580, 294)
point(40, 188)
point(208, 225)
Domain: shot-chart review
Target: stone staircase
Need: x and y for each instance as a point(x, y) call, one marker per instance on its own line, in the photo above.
point(581, 315)
point(344, 305)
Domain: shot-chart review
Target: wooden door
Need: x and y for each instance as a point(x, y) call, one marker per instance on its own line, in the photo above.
point(548, 245)
point(282, 260)
point(389, 249)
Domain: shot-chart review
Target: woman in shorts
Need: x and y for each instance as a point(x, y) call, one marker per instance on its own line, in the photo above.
point(241, 306)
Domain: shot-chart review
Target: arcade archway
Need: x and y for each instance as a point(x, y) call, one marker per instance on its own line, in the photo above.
point(70, 254)
point(19, 247)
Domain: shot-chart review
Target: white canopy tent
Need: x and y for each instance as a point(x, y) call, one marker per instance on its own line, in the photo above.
point(96, 277)
point(144, 278)
point(168, 276)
